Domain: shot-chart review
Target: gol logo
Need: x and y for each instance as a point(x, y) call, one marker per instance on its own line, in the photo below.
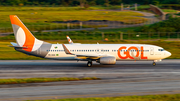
point(128, 54)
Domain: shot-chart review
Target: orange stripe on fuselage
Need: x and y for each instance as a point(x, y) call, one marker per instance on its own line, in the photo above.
point(30, 39)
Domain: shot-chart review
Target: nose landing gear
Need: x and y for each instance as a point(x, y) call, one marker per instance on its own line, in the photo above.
point(154, 62)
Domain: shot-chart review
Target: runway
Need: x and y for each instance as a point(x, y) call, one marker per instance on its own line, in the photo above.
point(124, 78)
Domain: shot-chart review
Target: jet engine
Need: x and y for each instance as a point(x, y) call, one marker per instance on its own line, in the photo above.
point(110, 60)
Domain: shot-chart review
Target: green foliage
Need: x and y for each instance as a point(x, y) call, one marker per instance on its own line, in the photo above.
point(142, 7)
point(82, 2)
point(165, 97)
point(128, 34)
point(169, 10)
point(171, 25)
point(170, 5)
point(36, 80)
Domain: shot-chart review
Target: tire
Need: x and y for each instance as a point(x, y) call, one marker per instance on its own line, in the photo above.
point(89, 64)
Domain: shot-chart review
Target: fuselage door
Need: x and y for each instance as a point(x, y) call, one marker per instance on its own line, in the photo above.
point(151, 51)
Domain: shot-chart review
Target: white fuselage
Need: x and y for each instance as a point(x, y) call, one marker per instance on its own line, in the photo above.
point(119, 51)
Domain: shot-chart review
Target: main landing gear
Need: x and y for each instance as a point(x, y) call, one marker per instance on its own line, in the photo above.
point(89, 64)
point(154, 64)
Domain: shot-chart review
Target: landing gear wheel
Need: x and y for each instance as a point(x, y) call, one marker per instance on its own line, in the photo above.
point(89, 64)
point(154, 63)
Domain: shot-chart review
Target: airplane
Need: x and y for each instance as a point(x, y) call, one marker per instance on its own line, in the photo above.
point(27, 43)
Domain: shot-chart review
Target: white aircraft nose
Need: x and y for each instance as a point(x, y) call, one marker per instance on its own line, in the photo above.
point(168, 54)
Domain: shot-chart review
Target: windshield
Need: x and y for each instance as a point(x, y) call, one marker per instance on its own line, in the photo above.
point(160, 49)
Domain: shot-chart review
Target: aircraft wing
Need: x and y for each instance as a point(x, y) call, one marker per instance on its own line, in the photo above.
point(84, 56)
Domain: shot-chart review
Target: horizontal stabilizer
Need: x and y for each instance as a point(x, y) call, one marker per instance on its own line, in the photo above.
point(19, 47)
point(16, 46)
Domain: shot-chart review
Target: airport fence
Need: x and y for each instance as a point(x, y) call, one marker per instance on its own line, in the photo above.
point(113, 36)
point(97, 35)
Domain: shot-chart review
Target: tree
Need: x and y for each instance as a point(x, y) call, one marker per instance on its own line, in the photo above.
point(106, 3)
point(82, 3)
point(92, 2)
point(115, 2)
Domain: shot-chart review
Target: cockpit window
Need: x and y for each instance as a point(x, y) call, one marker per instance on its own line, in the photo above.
point(160, 49)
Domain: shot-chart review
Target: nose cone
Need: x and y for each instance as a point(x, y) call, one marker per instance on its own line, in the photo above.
point(167, 54)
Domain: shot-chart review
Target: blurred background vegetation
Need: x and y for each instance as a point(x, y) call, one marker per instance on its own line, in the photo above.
point(83, 2)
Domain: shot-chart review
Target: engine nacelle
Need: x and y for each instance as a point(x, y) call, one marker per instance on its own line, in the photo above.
point(110, 60)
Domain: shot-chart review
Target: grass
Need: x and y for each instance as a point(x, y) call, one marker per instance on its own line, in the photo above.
point(10, 8)
point(111, 34)
point(128, 29)
point(45, 15)
point(52, 26)
point(169, 10)
point(8, 53)
point(165, 97)
point(141, 7)
point(38, 80)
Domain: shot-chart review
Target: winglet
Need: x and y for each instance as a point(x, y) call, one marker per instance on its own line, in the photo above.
point(69, 40)
point(66, 50)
